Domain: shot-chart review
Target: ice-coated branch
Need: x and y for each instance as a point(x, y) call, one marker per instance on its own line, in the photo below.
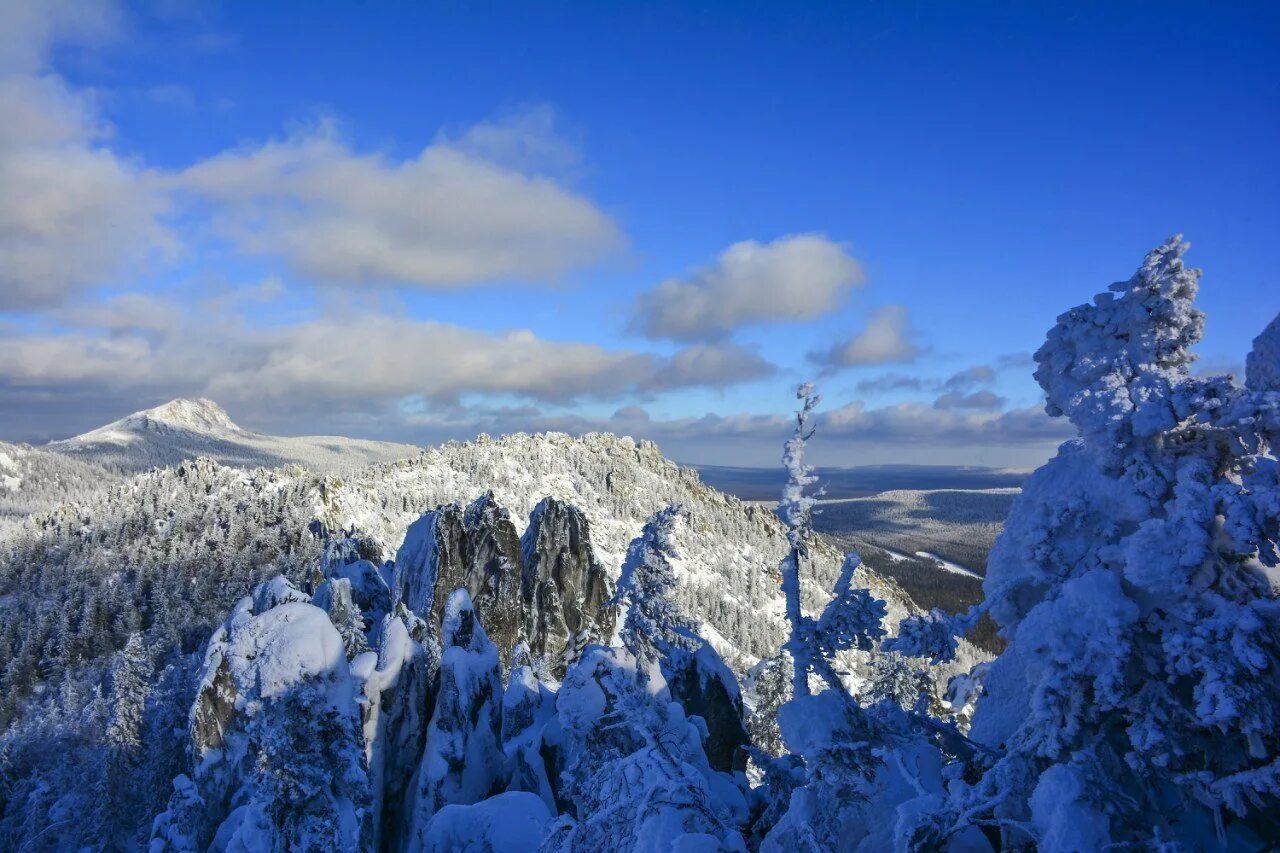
point(796, 509)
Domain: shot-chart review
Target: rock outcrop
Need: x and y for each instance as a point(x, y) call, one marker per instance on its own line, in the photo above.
point(546, 588)
point(275, 733)
point(564, 586)
point(463, 762)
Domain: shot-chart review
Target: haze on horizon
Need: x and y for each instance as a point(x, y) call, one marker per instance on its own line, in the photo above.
point(446, 221)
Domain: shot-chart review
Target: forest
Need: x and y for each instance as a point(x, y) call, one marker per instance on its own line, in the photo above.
point(556, 644)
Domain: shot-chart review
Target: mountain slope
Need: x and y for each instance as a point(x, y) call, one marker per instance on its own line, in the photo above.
point(165, 554)
point(34, 481)
point(186, 429)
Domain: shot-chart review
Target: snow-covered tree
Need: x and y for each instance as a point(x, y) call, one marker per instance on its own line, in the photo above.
point(796, 512)
point(275, 736)
point(335, 597)
point(130, 684)
point(1139, 699)
point(654, 623)
point(632, 770)
point(892, 678)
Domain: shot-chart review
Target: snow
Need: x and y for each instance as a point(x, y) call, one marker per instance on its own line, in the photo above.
point(1129, 581)
point(10, 475)
point(1262, 368)
point(511, 822)
point(464, 761)
point(954, 568)
point(289, 643)
point(186, 429)
point(1062, 815)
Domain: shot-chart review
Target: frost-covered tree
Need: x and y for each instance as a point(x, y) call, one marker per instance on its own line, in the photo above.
point(1139, 699)
point(654, 623)
point(632, 772)
point(667, 646)
point(768, 688)
point(796, 512)
point(277, 752)
point(335, 597)
point(850, 767)
point(130, 684)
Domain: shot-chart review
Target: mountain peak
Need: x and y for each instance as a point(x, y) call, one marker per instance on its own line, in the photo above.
point(200, 415)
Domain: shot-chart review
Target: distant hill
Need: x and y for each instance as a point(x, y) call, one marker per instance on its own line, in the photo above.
point(186, 429)
point(765, 484)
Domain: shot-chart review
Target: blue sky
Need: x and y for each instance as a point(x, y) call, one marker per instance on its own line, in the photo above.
point(421, 221)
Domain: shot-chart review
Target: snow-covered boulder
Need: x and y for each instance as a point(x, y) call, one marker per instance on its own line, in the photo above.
point(1262, 367)
point(276, 742)
point(527, 706)
point(708, 689)
point(513, 822)
point(397, 701)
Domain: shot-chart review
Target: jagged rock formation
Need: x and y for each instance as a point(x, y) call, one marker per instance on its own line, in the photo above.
point(473, 548)
point(547, 589)
point(169, 552)
point(564, 587)
point(301, 739)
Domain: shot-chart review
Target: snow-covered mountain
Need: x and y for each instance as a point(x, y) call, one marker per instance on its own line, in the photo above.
point(187, 429)
point(168, 552)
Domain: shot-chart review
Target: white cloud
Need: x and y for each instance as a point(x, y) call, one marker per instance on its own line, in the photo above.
point(452, 216)
point(793, 278)
point(885, 339)
point(852, 434)
point(72, 214)
point(125, 312)
point(380, 357)
point(970, 377)
point(350, 362)
point(32, 27)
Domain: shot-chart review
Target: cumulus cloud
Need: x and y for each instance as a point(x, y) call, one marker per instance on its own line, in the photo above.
point(793, 278)
point(379, 356)
point(487, 203)
point(956, 388)
point(845, 435)
point(353, 361)
point(125, 312)
point(32, 27)
point(72, 213)
point(454, 215)
point(885, 339)
point(892, 382)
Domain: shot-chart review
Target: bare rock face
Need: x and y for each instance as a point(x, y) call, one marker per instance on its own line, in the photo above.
point(564, 586)
point(473, 548)
point(547, 588)
point(493, 581)
point(706, 688)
